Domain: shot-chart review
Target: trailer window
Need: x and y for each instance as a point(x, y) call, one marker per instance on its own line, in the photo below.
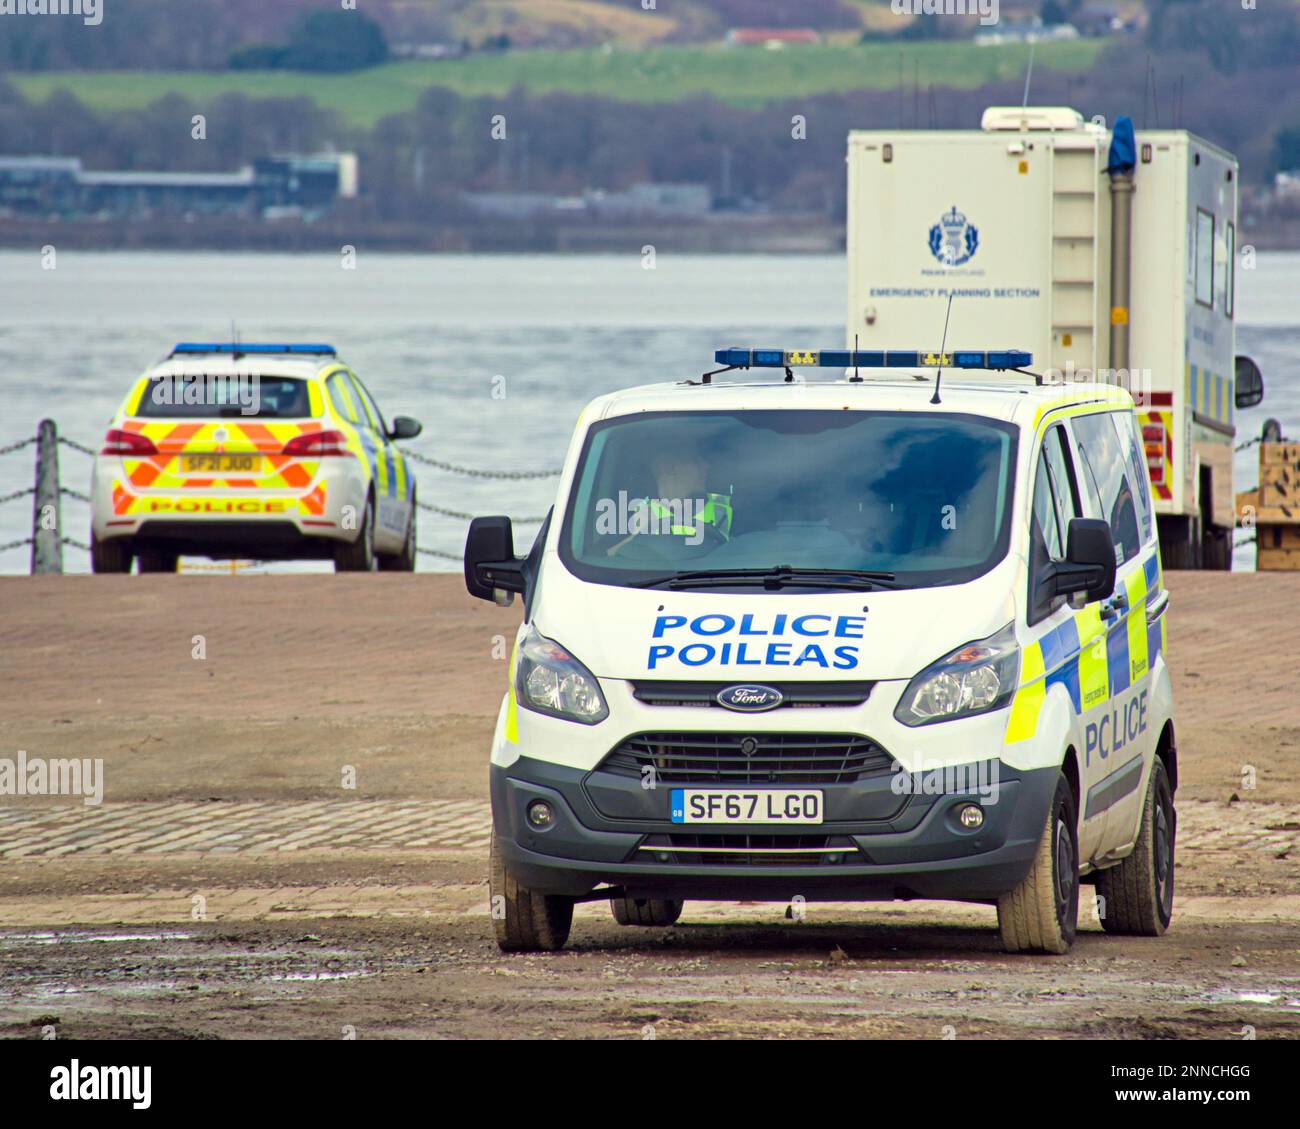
point(1204, 258)
point(1230, 275)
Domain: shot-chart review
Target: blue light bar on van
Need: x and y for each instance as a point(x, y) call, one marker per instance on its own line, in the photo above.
point(873, 358)
point(192, 348)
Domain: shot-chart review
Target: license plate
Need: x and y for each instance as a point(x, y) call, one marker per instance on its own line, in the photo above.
point(221, 464)
point(738, 805)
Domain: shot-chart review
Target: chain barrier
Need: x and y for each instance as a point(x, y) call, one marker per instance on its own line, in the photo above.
point(77, 494)
point(470, 517)
point(439, 553)
point(17, 446)
point(76, 544)
point(15, 544)
point(17, 494)
point(77, 446)
point(1260, 439)
point(511, 475)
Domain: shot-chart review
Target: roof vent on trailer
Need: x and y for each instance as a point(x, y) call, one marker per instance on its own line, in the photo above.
point(1022, 119)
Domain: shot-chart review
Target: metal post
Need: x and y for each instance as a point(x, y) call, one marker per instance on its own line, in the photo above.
point(47, 518)
point(1121, 222)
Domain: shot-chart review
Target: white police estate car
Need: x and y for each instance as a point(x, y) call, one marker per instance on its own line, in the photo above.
point(861, 639)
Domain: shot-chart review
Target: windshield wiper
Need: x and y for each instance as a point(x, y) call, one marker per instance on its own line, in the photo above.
point(780, 576)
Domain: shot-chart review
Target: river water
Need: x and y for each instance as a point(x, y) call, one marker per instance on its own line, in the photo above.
point(495, 354)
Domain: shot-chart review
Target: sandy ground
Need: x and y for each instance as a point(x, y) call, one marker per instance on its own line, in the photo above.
point(309, 681)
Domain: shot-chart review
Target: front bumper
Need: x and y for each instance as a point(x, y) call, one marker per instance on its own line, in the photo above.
point(906, 846)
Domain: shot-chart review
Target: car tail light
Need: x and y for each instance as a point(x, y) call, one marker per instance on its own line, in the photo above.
point(317, 445)
point(119, 442)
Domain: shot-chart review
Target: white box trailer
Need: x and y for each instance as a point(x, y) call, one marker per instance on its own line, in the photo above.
point(1018, 221)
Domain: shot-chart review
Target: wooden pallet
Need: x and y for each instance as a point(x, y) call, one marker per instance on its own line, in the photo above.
point(1273, 508)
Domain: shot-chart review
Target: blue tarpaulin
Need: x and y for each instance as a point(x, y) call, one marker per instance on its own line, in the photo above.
point(1123, 148)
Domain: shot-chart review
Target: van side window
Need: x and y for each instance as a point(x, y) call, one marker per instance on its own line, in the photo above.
point(1065, 490)
point(1056, 497)
point(1046, 530)
point(1139, 476)
point(1102, 467)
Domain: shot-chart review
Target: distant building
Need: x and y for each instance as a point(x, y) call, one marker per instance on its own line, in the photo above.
point(1286, 185)
point(771, 36)
point(426, 50)
point(1101, 19)
point(659, 201)
point(59, 186)
point(1025, 31)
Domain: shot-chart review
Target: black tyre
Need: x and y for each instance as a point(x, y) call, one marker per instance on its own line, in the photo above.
point(645, 911)
point(157, 560)
point(523, 920)
point(110, 556)
point(359, 555)
point(1042, 913)
point(405, 560)
point(1139, 893)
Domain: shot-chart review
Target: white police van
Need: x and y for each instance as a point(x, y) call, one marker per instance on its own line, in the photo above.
point(861, 639)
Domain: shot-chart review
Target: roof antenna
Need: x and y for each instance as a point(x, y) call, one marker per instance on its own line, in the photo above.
point(856, 378)
point(1029, 74)
point(942, 351)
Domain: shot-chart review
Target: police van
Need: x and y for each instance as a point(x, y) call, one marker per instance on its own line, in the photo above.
point(895, 634)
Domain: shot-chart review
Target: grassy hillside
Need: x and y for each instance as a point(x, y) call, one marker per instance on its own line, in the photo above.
point(743, 77)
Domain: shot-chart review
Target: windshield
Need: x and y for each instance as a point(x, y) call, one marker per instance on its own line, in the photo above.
point(913, 498)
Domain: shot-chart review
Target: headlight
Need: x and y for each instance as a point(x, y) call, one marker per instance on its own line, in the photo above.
point(551, 681)
point(976, 678)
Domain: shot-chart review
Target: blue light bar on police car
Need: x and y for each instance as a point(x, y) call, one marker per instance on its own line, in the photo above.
point(873, 358)
point(237, 348)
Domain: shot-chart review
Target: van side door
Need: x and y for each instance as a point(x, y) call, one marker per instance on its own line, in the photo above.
point(1118, 734)
point(1060, 635)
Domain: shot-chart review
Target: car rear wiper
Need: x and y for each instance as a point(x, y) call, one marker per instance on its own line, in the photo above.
point(775, 578)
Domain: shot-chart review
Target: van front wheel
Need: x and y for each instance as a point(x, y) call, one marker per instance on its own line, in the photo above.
point(524, 920)
point(1041, 914)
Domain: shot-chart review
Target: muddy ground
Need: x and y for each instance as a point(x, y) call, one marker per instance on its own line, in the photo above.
point(163, 928)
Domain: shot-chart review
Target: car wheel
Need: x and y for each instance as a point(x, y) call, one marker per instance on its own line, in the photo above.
point(113, 555)
point(359, 555)
point(1041, 914)
point(405, 560)
point(645, 911)
point(157, 560)
point(524, 920)
point(1138, 893)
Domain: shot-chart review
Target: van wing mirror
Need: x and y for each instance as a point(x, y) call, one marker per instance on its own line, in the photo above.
point(492, 571)
point(1089, 566)
point(1249, 383)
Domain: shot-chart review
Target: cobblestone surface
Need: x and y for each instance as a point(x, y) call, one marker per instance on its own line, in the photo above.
point(264, 827)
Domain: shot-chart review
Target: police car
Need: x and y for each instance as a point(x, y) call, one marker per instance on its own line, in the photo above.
point(274, 452)
point(894, 636)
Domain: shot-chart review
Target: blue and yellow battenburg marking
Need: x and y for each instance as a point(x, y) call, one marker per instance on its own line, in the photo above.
point(1094, 659)
point(873, 358)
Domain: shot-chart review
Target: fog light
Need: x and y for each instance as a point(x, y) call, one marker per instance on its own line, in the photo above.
point(540, 815)
point(971, 816)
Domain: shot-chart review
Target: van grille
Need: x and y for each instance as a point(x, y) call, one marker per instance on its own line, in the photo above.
point(796, 695)
point(751, 850)
point(740, 758)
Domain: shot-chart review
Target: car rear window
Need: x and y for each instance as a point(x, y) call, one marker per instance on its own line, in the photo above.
point(199, 396)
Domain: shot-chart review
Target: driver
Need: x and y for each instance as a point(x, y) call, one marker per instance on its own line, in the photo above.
point(682, 507)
